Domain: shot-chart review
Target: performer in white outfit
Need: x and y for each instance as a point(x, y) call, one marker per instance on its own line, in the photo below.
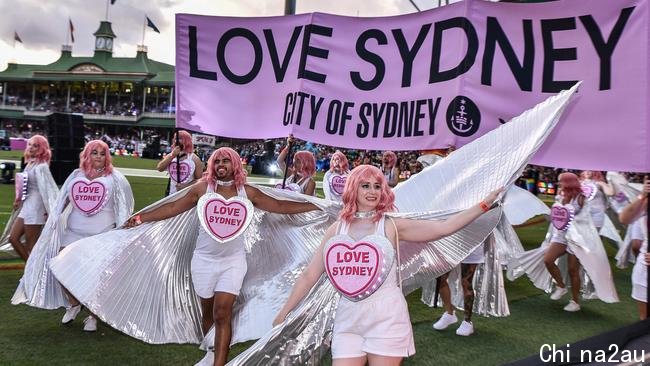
point(301, 173)
point(598, 202)
point(389, 168)
point(334, 179)
point(218, 269)
point(630, 214)
point(191, 167)
point(366, 329)
point(94, 199)
point(34, 203)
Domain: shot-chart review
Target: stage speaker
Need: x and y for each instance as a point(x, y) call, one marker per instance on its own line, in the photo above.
point(65, 133)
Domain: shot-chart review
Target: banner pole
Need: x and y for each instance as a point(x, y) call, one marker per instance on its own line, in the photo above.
point(286, 163)
point(647, 240)
point(178, 159)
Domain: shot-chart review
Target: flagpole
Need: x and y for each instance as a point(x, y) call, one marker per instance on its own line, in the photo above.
point(107, 1)
point(144, 28)
point(67, 33)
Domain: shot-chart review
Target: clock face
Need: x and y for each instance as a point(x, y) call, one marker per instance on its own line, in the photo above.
point(109, 44)
point(99, 43)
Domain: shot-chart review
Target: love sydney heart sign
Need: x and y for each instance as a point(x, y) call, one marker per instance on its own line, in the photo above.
point(185, 169)
point(358, 268)
point(224, 219)
point(589, 190)
point(89, 197)
point(562, 216)
point(337, 183)
point(21, 186)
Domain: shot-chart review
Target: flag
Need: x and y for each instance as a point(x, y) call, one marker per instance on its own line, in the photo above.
point(71, 30)
point(17, 37)
point(113, 2)
point(151, 25)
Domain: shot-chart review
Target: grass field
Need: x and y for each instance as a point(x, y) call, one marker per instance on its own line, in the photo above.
point(31, 336)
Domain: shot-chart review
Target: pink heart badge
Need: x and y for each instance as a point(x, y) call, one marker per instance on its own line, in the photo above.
point(358, 269)
point(337, 183)
point(89, 197)
point(561, 216)
point(589, 190)
point(21, 186)
point(224, 219)
point(185, 171)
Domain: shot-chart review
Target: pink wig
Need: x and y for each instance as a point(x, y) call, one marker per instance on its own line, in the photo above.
point(185, 139)
point(239, 174)
point(392, 158)
point(343, 161)
point(361, 174)
point(595, 175)
point(85, 161)
point(570, 185)
point(43, 154)
point(308, 163)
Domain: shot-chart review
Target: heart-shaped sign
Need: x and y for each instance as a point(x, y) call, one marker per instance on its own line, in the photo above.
point(358, 268)
point(293, 187)
point(562, 216)
point(337, 183)
point(185, 171)
point(224, 219)
point(620, 197)
point(21, 186)
point(89, 196)
point(589, 189)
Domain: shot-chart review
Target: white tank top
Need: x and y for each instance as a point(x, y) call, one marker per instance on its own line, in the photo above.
point(391, 281)
point(32, 185)
point(207, 246)
point(187, 172)
point(99, 222)
point(302, 183)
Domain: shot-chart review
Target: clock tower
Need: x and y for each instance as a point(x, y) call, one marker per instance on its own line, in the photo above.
point(104, 38)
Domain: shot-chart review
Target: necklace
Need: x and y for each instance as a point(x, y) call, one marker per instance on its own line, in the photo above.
point(226, 183)
point(100, 170)
point(364, 215)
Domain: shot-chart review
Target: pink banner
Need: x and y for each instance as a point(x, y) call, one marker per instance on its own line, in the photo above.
point(425, 80)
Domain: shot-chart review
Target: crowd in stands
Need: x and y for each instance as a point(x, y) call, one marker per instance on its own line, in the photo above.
point(89, 105)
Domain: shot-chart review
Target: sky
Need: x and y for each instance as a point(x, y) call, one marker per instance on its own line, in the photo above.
point(43, 24)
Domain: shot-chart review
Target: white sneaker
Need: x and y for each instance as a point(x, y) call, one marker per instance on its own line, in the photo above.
point(558, 293)
point(208, 360)
point(572, 306)
point(445, 320)
point(90, 324)
point(70, 314)
point(466, 329)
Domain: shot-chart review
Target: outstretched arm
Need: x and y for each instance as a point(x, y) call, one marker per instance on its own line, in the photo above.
point(170, 209)
point(307, 279)
point(270, 204)
point(428, 230)
point(636, 209)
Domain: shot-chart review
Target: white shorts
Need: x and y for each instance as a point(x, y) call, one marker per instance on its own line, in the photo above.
point(221, 274)
point(476, 257)
point(378, 325)
point(33, 211)
point(639, 292)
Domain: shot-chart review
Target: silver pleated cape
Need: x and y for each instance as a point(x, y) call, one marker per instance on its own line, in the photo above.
point(47, 189)
point(456, 183)
point(38, 287)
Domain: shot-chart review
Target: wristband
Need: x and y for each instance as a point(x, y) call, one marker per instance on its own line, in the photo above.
point(137, 219)
point(484, 206)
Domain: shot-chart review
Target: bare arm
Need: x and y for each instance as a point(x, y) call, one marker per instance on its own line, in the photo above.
point(606, 188)
point(311, 187)
point(270, 204)
point(636, 209)
point(198, 167)
point(283, 154)
point(427, 230)
point(170, 209)
point(307, 279)
point(164, 163)
point(394, 177)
